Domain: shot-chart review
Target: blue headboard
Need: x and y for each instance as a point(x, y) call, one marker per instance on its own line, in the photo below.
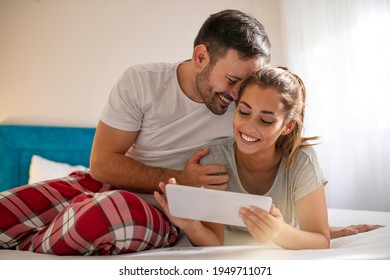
point(18, 143)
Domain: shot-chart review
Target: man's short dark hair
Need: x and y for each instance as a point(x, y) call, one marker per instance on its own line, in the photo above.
point(233, 29)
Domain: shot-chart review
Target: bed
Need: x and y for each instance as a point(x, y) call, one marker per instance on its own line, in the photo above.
point(69, 147)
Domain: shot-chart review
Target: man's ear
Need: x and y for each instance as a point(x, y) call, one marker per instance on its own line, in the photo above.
point(288, 128)
point(200, 57)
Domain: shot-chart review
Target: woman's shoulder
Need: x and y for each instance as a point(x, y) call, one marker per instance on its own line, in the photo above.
point(221, 150)
point(306, 153)
point(223, 142)
point(305, 175)
point(305, 159)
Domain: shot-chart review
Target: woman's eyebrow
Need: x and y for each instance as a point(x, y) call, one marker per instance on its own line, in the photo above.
point(246, 104)
point(262, 111)
point(267, 112)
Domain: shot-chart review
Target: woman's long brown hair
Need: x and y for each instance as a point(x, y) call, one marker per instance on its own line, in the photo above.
point(293, 96)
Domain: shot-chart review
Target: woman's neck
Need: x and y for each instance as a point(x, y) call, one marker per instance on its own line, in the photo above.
point(257, 173)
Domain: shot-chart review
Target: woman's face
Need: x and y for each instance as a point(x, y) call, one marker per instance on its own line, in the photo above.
point(259, 120)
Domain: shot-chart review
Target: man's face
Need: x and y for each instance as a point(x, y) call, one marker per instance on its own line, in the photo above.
point(218, 85)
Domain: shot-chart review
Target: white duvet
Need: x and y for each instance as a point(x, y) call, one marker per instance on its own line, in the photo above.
point(373, 245)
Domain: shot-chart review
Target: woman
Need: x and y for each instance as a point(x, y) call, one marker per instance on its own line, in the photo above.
point(268, 156)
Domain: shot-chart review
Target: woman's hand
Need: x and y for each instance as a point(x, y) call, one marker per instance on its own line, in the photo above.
point(263, 226)
point(180, 222)
point(336, 232)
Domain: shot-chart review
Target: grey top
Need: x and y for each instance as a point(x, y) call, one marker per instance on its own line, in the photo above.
point(303, 177)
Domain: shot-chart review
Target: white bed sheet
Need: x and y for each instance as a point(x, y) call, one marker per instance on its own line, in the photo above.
point(373, 245)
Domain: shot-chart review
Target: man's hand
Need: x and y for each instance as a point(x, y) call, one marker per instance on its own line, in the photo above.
point(209, 176)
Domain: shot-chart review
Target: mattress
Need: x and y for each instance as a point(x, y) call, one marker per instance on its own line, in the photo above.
point(72, 145)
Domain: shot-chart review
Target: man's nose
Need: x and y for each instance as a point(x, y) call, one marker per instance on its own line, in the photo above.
point(234, 91)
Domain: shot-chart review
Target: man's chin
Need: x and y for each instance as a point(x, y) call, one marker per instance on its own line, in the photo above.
point(219, 110)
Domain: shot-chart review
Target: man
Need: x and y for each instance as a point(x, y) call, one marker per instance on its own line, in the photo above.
point(158, 115)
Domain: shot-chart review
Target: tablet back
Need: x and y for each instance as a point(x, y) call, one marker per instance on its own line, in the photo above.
point(211, 205)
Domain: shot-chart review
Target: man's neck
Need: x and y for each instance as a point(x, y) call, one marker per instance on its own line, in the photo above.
point(186, 77)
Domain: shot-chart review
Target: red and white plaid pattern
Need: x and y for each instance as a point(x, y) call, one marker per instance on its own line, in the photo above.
point(77, 215)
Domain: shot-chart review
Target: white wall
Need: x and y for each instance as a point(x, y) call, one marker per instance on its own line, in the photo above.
point(60, 58)
point(341, 49)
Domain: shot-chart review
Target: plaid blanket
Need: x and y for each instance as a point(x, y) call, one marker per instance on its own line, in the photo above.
point(77, 215)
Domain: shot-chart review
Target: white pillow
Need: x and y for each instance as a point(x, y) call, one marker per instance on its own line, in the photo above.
point(42, 169)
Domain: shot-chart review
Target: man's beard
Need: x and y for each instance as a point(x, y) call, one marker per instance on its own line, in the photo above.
point(210, 99)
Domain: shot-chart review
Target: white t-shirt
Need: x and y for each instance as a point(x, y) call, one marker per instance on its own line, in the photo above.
point(147, 98)
point(303, 177)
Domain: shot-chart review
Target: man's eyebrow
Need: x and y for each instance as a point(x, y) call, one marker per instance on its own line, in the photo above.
point(233, 77)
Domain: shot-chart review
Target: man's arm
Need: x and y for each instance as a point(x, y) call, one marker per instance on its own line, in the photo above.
point(109, 164)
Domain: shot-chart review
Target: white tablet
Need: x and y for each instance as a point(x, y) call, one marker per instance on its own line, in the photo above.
point(211, 205)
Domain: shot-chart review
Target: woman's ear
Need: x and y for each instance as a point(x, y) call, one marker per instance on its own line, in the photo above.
point(288, 128)
point(200, 57)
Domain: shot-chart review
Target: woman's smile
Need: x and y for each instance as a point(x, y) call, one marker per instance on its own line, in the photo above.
point(248, 139)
